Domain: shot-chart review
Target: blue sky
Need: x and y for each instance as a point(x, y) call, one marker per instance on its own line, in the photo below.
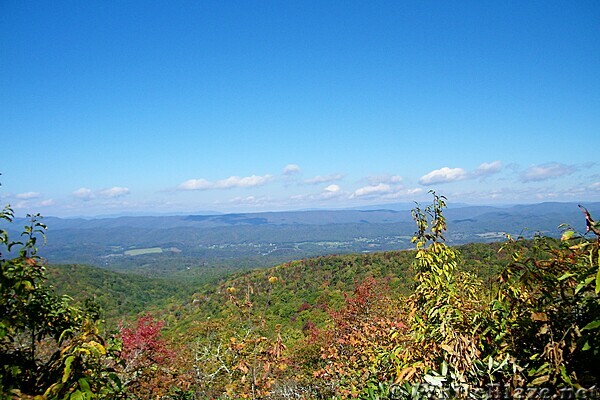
point(161, 107)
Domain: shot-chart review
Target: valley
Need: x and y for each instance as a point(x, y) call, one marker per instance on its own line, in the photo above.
point(203, 245)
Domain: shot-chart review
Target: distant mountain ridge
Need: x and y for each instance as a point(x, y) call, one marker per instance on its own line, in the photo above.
point(268, 238)
point(397, 212)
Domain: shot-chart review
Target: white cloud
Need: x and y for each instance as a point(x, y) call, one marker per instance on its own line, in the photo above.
point(444, 175)
point(248, 181)
point(196, 184)
point(527, 194)
point(324, 179)
point(372, 190)
point(114, 192)
point(487, 169)
point(410, 192)
point(84, 194)
point(544, 172)
point(291, 169)
point(87, 194)
point(331, 191)
point(402, 194)
point(332, 188)
point(389, 179)
point(28, 195)
point(231, 182)
point(251, 201)
point(47, 202)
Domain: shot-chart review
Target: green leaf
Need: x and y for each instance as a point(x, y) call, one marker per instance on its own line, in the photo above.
point(586, 346)
point(77, 395)
point(565, 276)
point(584, 284)
point(567, 235)
point(565, 376)
point(84, 385)
point(592, 325)
point(15, 370)
point(502, 364)
point(67, 371)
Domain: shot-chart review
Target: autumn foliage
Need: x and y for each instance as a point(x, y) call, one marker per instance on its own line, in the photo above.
point(142, 344)
point(366, 328)
point(431, 329)
point(146, 359)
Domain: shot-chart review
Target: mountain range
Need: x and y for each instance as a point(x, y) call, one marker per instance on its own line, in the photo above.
point(183, 243)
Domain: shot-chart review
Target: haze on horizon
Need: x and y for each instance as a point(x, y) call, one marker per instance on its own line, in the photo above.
point(136, 107)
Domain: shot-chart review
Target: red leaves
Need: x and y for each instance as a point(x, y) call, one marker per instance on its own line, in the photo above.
point(148, 371)
point(143, 343)
point(363, 330)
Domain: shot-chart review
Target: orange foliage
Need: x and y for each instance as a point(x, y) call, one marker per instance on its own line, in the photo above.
point(365, 330)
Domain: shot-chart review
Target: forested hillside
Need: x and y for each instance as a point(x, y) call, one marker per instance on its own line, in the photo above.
point(482, 320)
point(120, 296)
point(301, 282)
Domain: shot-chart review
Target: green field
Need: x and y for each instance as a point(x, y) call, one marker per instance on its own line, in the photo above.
point(139, 252)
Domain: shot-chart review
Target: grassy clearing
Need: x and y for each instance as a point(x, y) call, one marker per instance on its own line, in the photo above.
point(139, 252)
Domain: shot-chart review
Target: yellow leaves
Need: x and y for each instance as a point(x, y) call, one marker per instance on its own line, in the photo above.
point(579, 246)
point(98, 347)
point(540, 380)
point(273, 279)
point(28, 285)
point(231, 290)
point(282, 366)
point(52, 391)
point(230, 389)
point(447, 349)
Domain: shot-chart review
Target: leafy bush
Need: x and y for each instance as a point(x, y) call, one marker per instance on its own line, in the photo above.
point(47, 346)
point(539, 331)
